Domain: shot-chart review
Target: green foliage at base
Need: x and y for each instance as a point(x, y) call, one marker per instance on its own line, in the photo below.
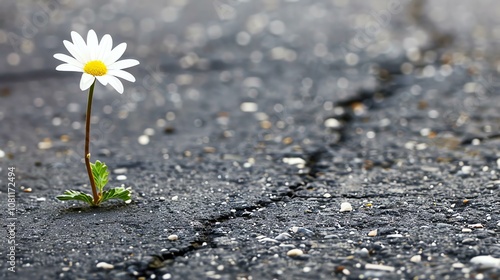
point(116, 193)
point(100, 172)
point(76, 195)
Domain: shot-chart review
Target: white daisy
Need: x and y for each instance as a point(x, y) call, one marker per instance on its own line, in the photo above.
point(96, 60)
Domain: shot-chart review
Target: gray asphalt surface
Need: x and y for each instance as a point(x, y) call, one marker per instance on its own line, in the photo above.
point(249, 125)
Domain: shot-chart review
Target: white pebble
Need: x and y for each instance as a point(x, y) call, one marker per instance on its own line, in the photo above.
point(120, 171)
point(332, 123)
point(173, 237)
point(175, 198)
point(397, 235)
point(458, 265)
point(345, 207)
point(2, 154)
point(249, 107)
point(299, 162)
point(373, 233)
point(416, 259)
point(44, 145)
point(476, 226)
point(121, 177)
point(166, 276)
point(466, 230)
point(466, 169)
point(105, 265)
point(295, 253)
point(486, 261)
point(143, 139)
point(380, 267)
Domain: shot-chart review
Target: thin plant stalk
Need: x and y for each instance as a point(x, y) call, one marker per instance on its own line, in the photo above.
point(87, 145)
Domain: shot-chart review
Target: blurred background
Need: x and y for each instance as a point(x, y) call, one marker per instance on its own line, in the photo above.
point(240, 30)
point(214, 61)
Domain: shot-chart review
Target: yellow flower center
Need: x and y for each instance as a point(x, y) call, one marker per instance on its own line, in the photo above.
point(95, 68)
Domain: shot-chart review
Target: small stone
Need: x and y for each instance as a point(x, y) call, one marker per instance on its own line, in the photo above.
point(486, 261)
point(416, 259)
point(458, 265)
point(295, 253)
point(283, 236)
point(143, 139)
point(430, 169)
point(476, 226)
point(466, 230)
point(373, 233)
point(301, 231)
point(470, 241)
point(173, 237)
point(249, 107)
point(364, 253)
point(466, 169)
point(380, 267)
point(332, 123)
point(105, 265)
point(120, 171)
point(28, 190)
point(166, 276)
point(175, 198)
point(2, 154)
point(121, 177)
point(345, 207)
point(267, 239)
point(299, 162)
point(327, 195)
point(65, 268)
point(397, 235)
point(46, 144)
point(209, 150)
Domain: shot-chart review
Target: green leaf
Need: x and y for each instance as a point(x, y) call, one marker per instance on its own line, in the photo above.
point(100, 172)
point(116, 193)
point(76, 195)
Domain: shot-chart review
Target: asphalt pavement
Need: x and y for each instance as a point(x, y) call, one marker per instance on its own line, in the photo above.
point(262, 140)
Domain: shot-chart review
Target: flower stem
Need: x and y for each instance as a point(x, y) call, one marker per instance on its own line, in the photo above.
point(87, 143)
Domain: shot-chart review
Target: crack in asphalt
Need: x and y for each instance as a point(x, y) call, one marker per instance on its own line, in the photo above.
point(313, 162)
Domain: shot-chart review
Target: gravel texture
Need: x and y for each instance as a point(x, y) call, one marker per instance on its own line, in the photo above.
point(262, 140)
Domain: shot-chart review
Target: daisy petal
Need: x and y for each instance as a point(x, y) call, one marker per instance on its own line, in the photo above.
point(122, 64)
point(68, 59)
point(115, 54)
point(92, 44)
point(104, 80)
point(115, 83)
point(122, 74)
point(86, 81)
point(77, 53)
point(69, 67)
point(104, 46)
point(80, 46)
